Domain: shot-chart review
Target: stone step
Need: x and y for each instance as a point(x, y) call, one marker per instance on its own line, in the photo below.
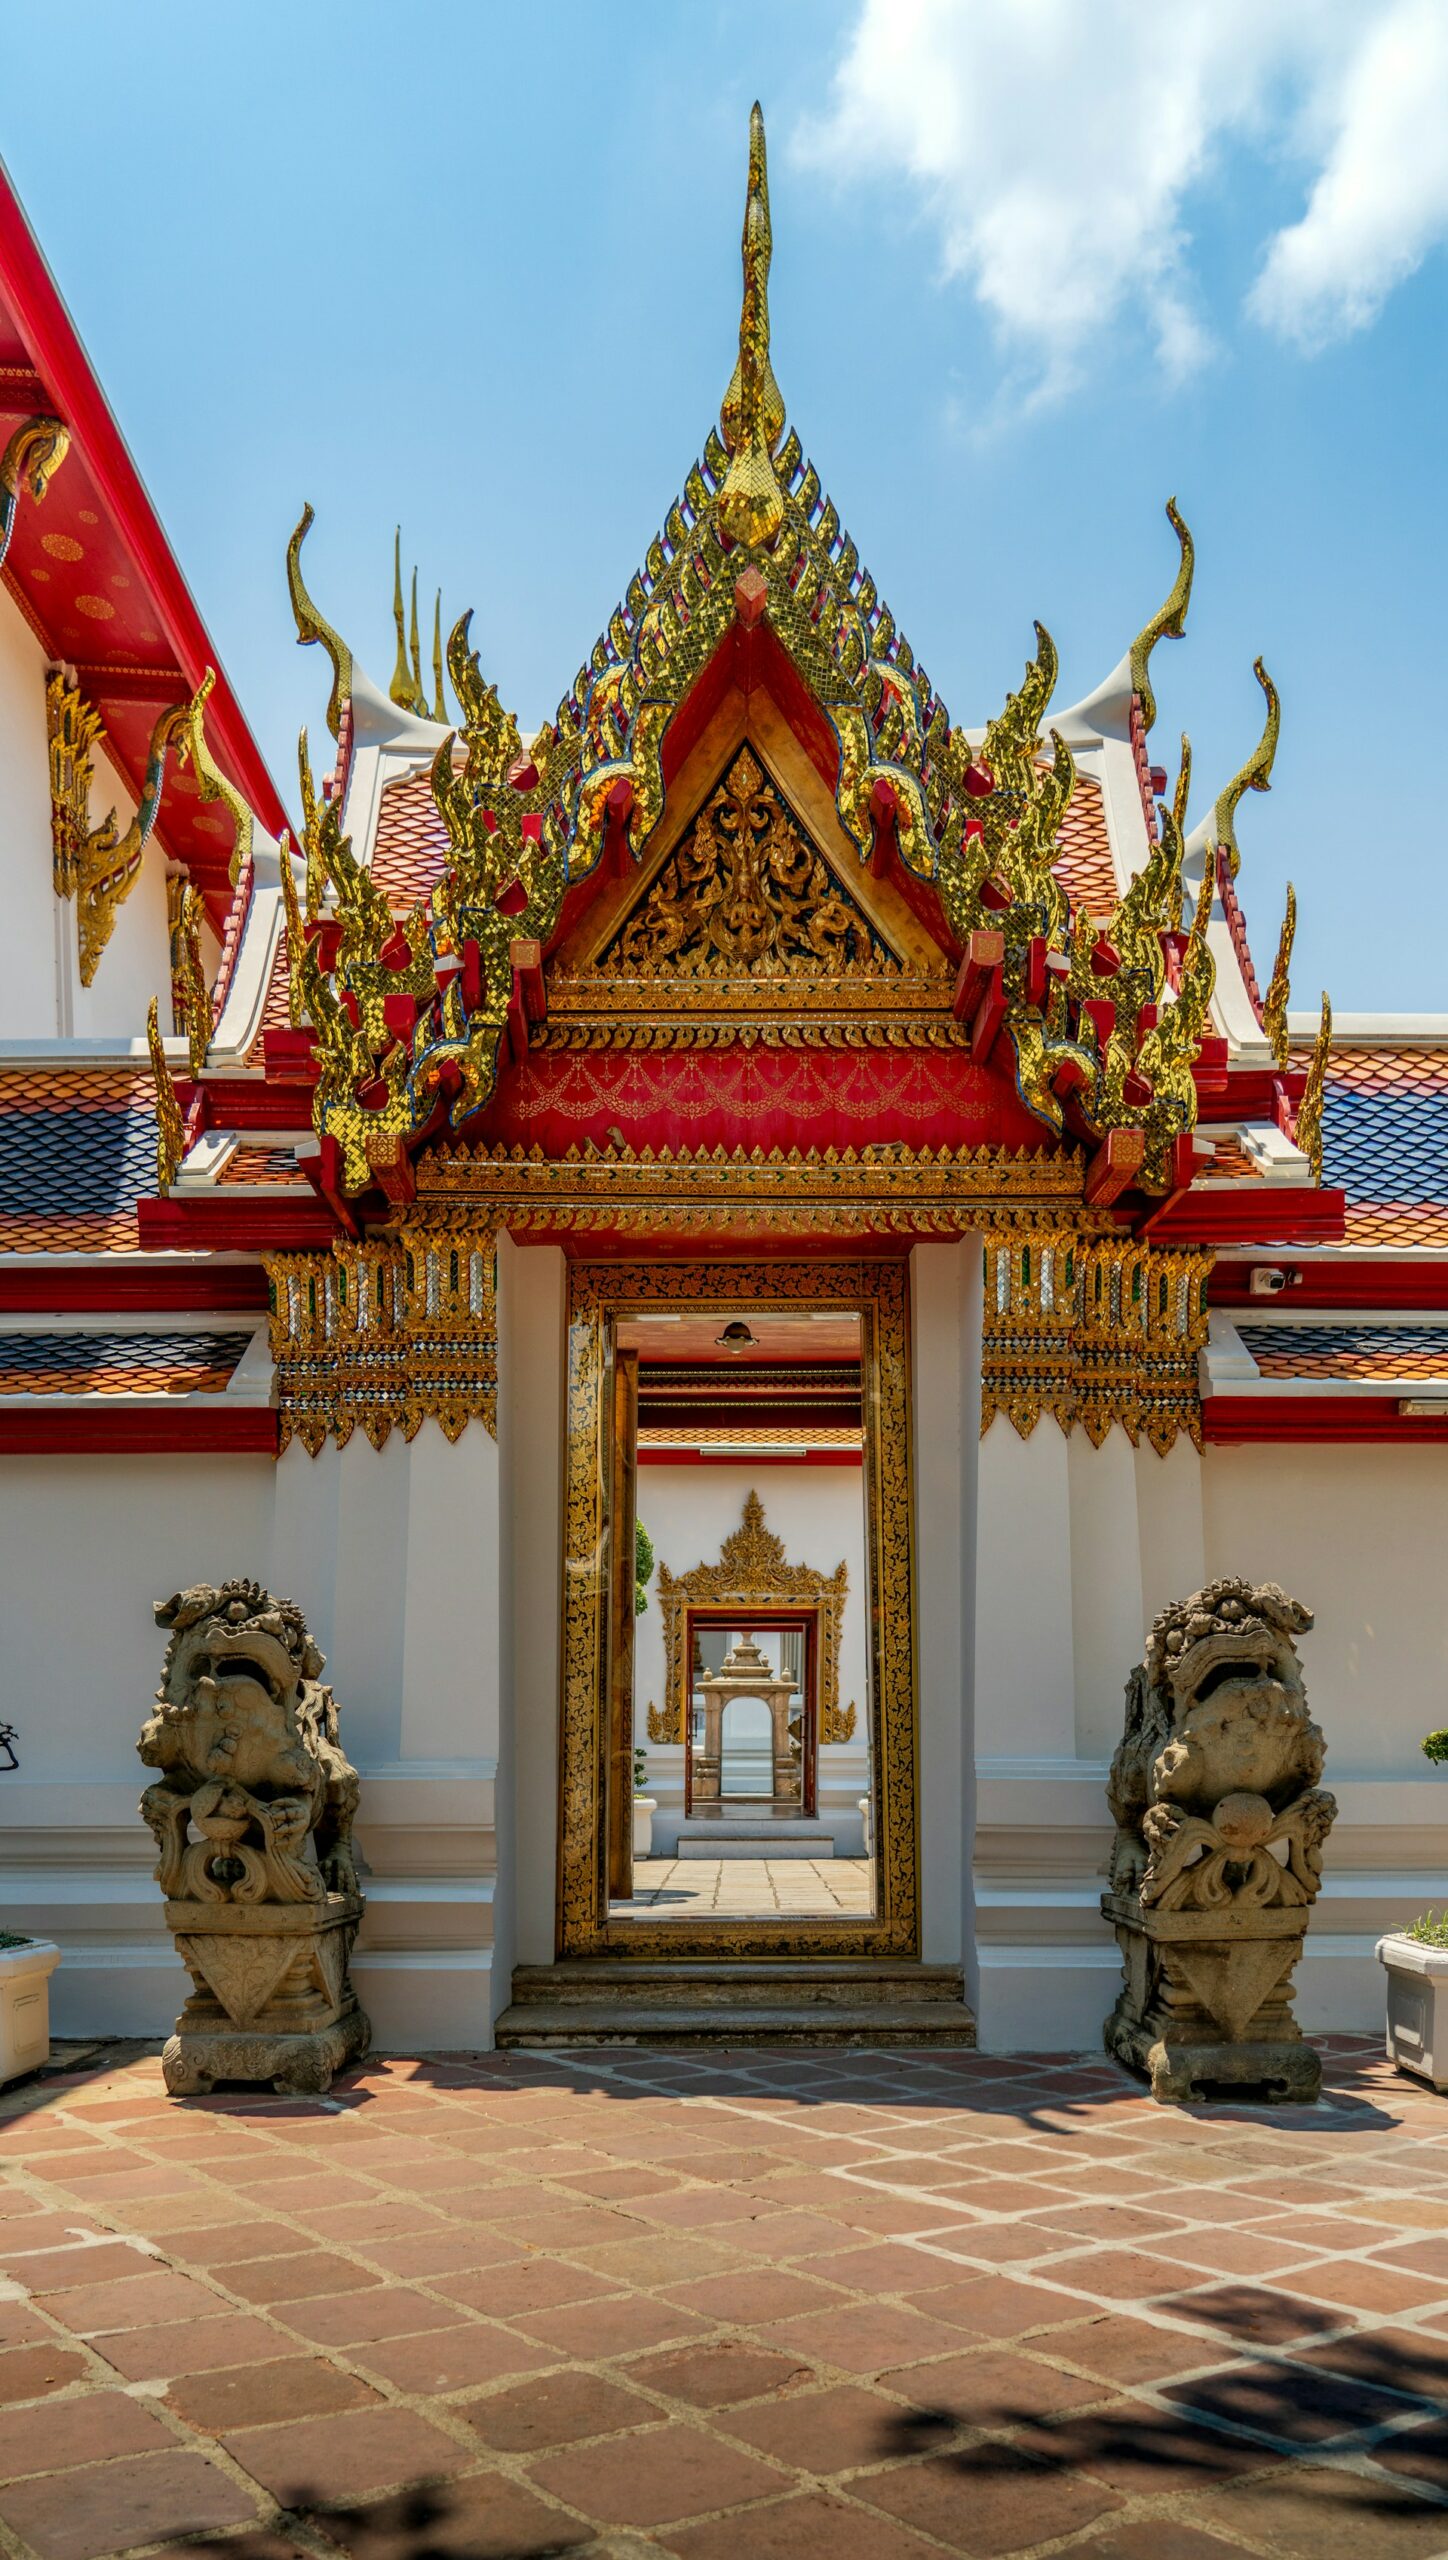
point(727, 1987)
point(553, 2025)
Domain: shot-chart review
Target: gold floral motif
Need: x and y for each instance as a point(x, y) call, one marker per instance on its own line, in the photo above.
point(385, 1334)
point(746, 892)
point(31, 458)
point(752, 1574)
point(665, 1724)
point(1094, 1332)
point(1279, 992)
point(837, 1723)
point(598, 1293)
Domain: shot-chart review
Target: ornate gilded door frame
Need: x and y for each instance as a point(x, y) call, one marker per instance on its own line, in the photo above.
point(600, 1293)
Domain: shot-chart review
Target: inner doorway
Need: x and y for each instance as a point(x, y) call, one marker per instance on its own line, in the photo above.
point(739, 1694)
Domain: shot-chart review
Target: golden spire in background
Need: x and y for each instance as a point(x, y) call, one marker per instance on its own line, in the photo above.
point(751, 508)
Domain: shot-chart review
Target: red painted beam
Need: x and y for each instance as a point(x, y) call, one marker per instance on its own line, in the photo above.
point(219, 1225)
point(176, 1431)
point(1230, 1421)
point(237, 1288)
point(58, 356)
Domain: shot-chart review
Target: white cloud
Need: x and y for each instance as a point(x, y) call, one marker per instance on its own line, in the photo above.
point(1057, 149)
point(1380, 200)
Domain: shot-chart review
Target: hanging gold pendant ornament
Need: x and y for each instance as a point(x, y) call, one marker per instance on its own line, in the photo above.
point(97, 866)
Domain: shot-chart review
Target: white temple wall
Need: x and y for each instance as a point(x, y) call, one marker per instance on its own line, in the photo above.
point(86, 1545)
point(819, 1512)
point(1079, 1548)
point(1358, 1532)
point(28, 1008)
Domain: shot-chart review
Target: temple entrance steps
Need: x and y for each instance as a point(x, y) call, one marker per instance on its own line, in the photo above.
point(618, 2001)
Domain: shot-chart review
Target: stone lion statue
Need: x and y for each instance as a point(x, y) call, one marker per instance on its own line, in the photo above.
point(246, 1737)
point(1220, 1826)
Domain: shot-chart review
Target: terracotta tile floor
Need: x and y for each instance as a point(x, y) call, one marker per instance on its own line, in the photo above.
point(825, 2306)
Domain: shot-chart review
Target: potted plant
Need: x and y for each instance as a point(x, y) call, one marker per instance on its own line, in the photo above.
point(644, 1807)
point(26, 1965)
point(1416, 1963)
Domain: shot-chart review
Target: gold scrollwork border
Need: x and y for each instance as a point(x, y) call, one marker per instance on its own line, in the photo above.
point(598, 1293)
point(751, 1573)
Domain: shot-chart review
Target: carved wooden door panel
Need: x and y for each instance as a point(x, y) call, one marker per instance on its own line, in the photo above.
point(622, 1504)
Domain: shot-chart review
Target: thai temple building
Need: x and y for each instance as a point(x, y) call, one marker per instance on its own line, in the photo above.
point(731, 1252)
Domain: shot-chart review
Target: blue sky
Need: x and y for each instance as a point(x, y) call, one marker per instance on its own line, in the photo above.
point(1037, 265)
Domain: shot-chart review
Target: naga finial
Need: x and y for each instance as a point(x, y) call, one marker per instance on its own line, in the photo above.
point(1314, 1092)
point(191, 747)
point(751, 508)
point(30, 460)
point(1255, 775)
point(1167, 624)
point(310, 625)
point(1274, 1011)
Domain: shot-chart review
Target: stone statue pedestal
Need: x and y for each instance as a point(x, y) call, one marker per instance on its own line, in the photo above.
point(273, 2000)
point(1190, 2047)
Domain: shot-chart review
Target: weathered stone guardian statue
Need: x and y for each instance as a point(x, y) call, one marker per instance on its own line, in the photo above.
point(1220, 1824)
point(252, 1817)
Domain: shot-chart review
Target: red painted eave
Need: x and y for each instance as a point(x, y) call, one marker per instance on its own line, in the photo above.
point(1231, 1421)
point(41, 333)
point(198, 1429)
point(1257, 1213)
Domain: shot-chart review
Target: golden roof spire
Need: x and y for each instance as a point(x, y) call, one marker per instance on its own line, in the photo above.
point(751, 508)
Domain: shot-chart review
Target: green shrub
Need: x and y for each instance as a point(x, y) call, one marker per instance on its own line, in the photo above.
point(643, 1567)
point(641, 1770)
point(1435, 1745)
point(1431, 1930)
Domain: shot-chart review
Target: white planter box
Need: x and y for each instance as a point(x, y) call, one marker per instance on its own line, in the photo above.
point(25, 2006)
point(644, 1809)
point(1417, 2006)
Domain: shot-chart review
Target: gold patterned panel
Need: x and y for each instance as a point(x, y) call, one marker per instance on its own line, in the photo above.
point(752, 1574)
point(386, 1334)
point(1094, 1331)
point(599, 1293)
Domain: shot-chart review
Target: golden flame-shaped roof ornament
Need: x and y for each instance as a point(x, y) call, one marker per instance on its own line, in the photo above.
point(751, 505)
point(1169, 623)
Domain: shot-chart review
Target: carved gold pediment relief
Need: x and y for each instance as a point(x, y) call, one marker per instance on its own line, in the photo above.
point(749, 911)
point(746, 892)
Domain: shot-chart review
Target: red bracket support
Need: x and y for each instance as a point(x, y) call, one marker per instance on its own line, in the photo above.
point(1114, 1167)
point(985, 952)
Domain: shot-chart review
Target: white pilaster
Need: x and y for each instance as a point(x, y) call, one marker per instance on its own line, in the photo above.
point(1106, 1622)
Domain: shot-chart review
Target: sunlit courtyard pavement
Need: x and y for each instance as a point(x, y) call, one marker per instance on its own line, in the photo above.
point(858, 2306)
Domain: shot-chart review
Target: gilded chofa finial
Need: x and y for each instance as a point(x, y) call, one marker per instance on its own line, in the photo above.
point(401, 685)
point(439, 698)
point(1314, 1092)
point(310, 626)
point(1168, 624)
point(1256, 773)
point(1274, 1011)
point(751, 508)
